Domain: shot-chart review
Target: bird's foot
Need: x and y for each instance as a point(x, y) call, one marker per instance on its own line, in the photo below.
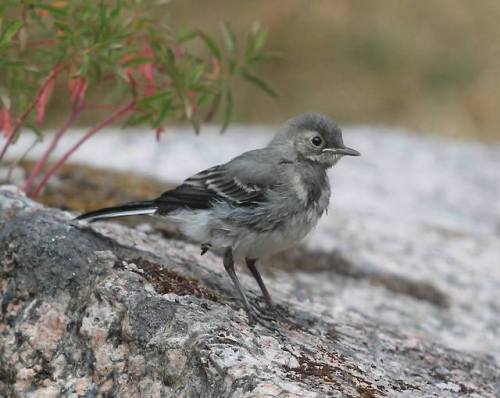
point(256, 317)
point(276, 312)
point(268, 317)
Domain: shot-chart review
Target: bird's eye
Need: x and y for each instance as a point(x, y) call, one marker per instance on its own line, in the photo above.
point(317, 141)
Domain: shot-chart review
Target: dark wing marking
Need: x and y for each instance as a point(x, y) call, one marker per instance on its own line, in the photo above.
point(202, 190)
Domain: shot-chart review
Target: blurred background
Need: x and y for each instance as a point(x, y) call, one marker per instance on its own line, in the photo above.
point(430, 66)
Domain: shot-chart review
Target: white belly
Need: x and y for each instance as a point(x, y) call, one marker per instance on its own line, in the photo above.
point(201, 227)
point(256, 245)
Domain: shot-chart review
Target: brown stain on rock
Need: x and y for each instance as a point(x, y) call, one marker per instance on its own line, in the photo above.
point(329, 373)
point(166, 281)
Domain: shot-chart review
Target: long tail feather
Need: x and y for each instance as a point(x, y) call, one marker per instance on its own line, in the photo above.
point(127, 209)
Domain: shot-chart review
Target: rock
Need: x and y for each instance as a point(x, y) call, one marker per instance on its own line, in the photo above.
point(105, 310)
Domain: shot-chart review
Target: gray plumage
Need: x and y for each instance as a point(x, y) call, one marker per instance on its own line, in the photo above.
point(259, 203)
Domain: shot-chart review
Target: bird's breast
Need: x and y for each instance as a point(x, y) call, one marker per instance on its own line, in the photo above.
point(311, 189)
point(285, 234)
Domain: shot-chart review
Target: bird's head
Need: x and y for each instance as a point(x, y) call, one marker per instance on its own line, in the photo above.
point(315, 138)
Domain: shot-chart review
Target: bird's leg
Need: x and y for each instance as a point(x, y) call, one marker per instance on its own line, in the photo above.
point(229, 266)
point(255, 272)
point(254, 316)
point(272, 312)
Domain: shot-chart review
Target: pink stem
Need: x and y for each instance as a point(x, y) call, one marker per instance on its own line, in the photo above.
point(76, 109)
point(110, 119)
point(28, 110)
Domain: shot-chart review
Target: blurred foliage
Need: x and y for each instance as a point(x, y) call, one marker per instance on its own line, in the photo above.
point(91, 43)
point(429, 65)
point(120, 57)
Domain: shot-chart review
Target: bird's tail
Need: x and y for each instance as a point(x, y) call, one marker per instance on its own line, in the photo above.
point(127, 209)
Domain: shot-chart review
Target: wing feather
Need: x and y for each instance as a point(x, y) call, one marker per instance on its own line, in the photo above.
point(207, 187)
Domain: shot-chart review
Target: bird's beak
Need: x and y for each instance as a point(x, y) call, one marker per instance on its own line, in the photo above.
point(342, 151)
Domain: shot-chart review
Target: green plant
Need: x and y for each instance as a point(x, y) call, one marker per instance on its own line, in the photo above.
point(154, 75)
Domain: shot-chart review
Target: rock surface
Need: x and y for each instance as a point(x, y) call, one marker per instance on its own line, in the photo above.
point(104, 310)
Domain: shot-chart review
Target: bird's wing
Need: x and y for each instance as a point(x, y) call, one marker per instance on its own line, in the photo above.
point(242, 181)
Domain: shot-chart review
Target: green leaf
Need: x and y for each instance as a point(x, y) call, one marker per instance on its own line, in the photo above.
point(169, 59)
point(12, 63)
point(204, 99)
point(30, 68)
point(166, 107)
point(115, 13)
point(196, 73)
point(135, 120)
point(137, 61)
point(213, 107)
point(210, 43)
point(10, 31)
point(96, 70)
point(38, 132)
point(163, 95)
point(229, 38)
point(102, 13)
point(266, 56)
point(122, 75)
point(184, 35)
point(228, 110)
point(260, 39)
point(259, 83)
point(84, 67)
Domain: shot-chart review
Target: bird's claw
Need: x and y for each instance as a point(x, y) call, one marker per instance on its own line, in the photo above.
point(268, 317)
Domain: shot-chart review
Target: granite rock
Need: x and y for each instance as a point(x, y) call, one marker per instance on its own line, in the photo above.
point(105, 310)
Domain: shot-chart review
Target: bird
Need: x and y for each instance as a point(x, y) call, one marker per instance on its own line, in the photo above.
point(259, 203)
